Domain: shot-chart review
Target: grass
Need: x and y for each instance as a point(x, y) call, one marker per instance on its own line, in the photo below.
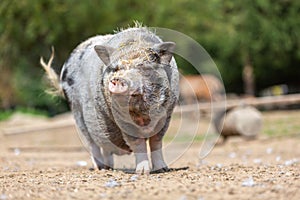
point(281, 123)
point(5, 114)
point(31, 111)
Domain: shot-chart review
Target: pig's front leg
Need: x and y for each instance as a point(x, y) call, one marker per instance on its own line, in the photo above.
point(139, 148)
point(141, 157)
point(158, 163)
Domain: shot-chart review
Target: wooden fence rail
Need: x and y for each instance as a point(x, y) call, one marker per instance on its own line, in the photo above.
point(256, 102)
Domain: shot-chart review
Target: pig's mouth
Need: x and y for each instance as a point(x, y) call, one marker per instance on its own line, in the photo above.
point(139, 110)
point(140, 119)
point(139, 113)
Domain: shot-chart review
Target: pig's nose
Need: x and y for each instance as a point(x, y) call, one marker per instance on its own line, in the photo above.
point(118, 85)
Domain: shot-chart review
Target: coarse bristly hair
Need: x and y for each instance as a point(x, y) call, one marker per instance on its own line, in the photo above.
point(136, 23)
point(52, 76)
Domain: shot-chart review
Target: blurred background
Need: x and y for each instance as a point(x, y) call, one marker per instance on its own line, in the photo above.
point(254, 43)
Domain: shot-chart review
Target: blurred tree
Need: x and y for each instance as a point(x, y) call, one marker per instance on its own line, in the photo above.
point(260, 37)
point(29, 28)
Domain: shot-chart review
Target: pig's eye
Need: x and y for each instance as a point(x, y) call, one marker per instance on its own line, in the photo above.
point(119, 67)
point(153, 57)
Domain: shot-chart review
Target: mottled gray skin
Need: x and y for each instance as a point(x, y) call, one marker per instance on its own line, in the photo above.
point(122, 89)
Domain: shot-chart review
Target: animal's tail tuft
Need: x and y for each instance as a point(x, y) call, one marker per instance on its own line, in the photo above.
point(52, 76)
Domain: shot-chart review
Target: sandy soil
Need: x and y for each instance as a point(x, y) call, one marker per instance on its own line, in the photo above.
point(52, 164)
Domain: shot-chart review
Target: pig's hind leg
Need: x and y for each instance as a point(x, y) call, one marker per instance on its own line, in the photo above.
point(97, 157)
point(101, 160)
point(95, 151)
point(108, 159)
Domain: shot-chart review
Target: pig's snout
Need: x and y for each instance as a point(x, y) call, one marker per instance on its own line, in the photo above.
point(118, 85)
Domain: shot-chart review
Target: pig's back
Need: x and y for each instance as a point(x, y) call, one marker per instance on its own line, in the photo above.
point(82, 61)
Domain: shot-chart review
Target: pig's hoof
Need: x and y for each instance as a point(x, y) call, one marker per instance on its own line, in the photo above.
point(104, 167)
point(100, 165)
point(92, 169)
point(162, 170)
point(100, 168)
point(143, 168)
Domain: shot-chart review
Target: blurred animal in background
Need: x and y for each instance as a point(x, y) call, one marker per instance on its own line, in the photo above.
point(245, 121)
point(204, 88)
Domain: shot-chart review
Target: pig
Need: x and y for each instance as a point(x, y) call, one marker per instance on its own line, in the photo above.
point(122, 89)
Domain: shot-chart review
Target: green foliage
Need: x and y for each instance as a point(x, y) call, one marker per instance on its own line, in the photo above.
point(4, 115)
point(265, 32)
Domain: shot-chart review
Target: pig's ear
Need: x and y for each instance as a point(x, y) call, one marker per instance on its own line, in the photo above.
point(165, 51)
point(104, 53)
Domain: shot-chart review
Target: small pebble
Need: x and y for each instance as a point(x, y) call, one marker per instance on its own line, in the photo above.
point(17, 151)
point(3, 197)
point(288, 174)
point(257, 161)
point(291, 162)
point(111, 183)
point(278, 158)
point(219, 165)
point(134, 177)
point(81, 163)
point(269, 150)
point(103, 195)
point(232, 155)
point(248, 182)
point(183, 197)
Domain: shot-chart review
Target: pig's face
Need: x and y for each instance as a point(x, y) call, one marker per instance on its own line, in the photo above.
point(139, 89)
point(145, 88)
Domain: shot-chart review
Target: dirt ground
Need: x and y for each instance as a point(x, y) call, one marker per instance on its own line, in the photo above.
point(52, 164)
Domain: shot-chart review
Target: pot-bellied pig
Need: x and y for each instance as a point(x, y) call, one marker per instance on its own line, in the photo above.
point(122, 89)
